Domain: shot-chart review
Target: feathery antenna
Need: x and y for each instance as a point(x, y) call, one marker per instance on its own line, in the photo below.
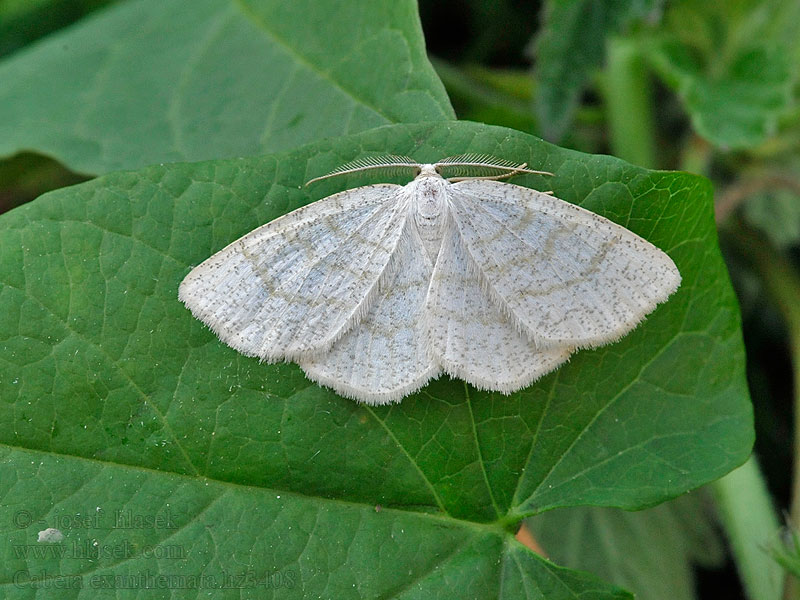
point(391, 162)
point(462, 167)
point(480, 166)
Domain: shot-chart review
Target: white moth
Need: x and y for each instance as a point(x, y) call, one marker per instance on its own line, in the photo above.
point(375, 290)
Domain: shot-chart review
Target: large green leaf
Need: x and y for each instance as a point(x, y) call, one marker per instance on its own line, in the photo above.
point(156, 80)
point(734, 64)
point(570, 45)
point(114, 398)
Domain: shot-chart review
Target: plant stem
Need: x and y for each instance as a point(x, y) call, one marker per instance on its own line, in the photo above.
point(628, 97)
point(750, 523)
point(782, 283)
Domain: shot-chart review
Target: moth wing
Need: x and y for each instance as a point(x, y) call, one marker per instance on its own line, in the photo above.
point(294, 285)
point(383, 357)
point(470, 335)
point(567, 276)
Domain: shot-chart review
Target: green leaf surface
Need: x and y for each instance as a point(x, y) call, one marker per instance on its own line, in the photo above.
point(570, 45)
point(650, 552)
point(734, 65)
point(113, 396)
point(150, 81)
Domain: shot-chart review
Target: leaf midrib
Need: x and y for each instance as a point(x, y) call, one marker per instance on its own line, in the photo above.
point(292, 51)
point(495, 527)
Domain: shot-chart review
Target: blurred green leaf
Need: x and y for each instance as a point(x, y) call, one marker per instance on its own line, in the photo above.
point(651, 552)
point(150, 81)
point(503, 97)
point(776, 213)
point(113, 396)
point(569, 46)
point(734, 64)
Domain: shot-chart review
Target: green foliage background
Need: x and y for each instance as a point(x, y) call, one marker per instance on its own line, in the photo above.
point(114, 398)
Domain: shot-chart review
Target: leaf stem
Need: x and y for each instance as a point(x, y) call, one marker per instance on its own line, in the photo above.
point(750, 523)
point(782, 283)
point(629, 102)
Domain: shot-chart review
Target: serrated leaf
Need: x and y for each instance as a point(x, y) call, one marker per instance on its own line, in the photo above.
point(572, 43)
point(733, 64)
point(114, 396)
point(650, 552)
point(226, 78)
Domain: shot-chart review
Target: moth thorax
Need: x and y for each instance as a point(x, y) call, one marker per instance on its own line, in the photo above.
point(428, 197)
point(429, 210)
